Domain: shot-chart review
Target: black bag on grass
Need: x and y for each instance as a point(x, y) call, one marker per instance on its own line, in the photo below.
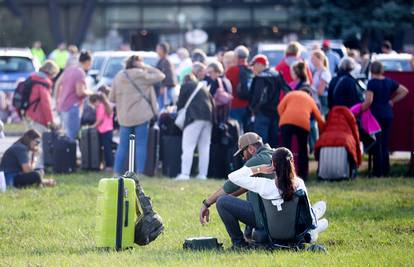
point(202, 243)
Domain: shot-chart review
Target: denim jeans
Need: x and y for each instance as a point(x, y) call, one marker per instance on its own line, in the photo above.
point(105, 141)
point(141, 137)
point(71, 122)
point(233, 210)
point(166, 99)
point(242, 116)
point(267, 127)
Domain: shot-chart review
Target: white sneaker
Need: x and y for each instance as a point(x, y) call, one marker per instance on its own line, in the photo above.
point(322, 226)
point(319, 208)
point(201, 177)
point(182, 177)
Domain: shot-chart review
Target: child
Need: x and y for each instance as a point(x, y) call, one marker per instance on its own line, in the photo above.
point(104, 126)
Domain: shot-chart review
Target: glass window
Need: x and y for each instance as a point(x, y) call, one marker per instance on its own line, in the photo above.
point(232, 15)
point(16, 64)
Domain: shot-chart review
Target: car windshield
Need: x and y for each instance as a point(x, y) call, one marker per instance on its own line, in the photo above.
point(16, 64)
point(396, 65)
point(115, 64)
point(97, 62)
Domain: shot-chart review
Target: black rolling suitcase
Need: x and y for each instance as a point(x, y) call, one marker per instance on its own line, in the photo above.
point(152, 150)
point(64, 155)
point(171, 164)
point(90, 149)
point(48, 140)
point(167, 128)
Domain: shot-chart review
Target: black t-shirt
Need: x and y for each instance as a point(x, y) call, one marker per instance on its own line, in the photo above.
point(14, 157)
point(343, 91)
point(383, 90)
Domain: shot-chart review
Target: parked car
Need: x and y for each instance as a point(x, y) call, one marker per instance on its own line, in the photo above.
point(99, 59)
point(336, 45)
point(115, 62)
point(395, 62)
point(16, 64)
point(275, 52)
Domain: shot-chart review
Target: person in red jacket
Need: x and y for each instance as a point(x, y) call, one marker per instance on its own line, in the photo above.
point(292, 56)
point(39, 115)
point(239, 107)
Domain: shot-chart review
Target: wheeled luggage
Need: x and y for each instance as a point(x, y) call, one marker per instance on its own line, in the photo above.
point(48, 139)
point(171, 163)
point(116, 209)
point(90, 149)
point(64, 155)
point(333, 163)
point(152, 150)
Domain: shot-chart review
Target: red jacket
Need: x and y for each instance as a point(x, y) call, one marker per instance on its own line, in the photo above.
point(41, 112)
point(284, 68)
point(233, 75)
point(341, 129)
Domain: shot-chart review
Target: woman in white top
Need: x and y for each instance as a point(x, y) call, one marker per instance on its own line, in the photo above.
point(232, 209)
point(321, 79)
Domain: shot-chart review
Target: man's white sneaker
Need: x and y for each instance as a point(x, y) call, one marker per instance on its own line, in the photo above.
point(319, 208)
point(182, 177)
point(201, 177)
point(322, 226)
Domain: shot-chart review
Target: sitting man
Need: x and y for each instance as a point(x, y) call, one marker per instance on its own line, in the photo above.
point(254, 153)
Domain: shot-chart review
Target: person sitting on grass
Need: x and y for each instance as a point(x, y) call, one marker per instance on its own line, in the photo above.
point(17, 166)
point(282, 187)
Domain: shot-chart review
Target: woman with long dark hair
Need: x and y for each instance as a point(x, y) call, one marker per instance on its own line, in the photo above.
point(19, 160)
point(233, 210)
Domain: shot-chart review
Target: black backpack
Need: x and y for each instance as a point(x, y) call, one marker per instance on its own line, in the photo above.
point(245, 79)
point(21, 97)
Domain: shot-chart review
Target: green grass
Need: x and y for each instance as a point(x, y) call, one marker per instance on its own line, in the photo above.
point(371, 224)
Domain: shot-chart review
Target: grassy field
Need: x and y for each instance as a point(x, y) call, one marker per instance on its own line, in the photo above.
point(371, 224)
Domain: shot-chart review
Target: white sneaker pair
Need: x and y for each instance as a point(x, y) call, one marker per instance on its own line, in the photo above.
point(319, 208)
point(322, 226)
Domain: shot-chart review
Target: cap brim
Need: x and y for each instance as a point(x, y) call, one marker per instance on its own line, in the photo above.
point(237, 152)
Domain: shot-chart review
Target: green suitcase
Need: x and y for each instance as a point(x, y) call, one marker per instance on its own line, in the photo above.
point(116, 210)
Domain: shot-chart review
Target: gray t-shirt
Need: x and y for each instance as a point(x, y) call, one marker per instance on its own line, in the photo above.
point(14, 157)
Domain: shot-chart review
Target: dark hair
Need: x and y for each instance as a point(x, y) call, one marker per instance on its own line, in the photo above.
point(377, 68)
point(285, 172)
point(103, 99)
point(299, 69)
point(129, 63)
point(84, 56)
point(165, 47)
point(387, 45)
point(104, 89)
point(28, 137)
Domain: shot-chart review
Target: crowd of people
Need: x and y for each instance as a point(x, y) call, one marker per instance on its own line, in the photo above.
point(279, 102)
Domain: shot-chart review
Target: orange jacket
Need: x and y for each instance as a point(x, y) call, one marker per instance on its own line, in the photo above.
point(296, 108)
point(341, 129)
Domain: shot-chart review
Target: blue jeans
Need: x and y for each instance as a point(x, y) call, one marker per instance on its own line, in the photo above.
point(71, 122)
point(241, 115)
point(105, 141)
point(232, 210)
point(141, 137)
point(267, 127)
point(166, 99)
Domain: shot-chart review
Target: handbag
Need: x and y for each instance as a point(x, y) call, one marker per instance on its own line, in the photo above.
point(154, 117)
point(222, 97)
point(181, 114)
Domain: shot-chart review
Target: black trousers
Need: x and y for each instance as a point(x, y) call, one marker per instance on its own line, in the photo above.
point(288, 131)
point(22, 180)
point(380, 150)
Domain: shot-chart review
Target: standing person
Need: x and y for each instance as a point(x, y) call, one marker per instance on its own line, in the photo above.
point(343, 90)
point(104, 126)
point(333, 57)
point(197, 127)
point(199, 71)
point(38, 52)
point(166, 90)
point(239, 76)
point(18, 162)
point(60, 56)
point(295, 111)
point(39, 114)
point(71, 91)
point(266, 90)
point(321, 79)
point(135, 99)
point(229, 60)
point(299, 75)
point(292, 55)
point(384, 93)
point(220, 90)
point(386, 48)
point(185, 62)
point(4, 107)
point(73, 56)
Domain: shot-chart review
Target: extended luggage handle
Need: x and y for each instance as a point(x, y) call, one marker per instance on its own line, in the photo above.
point(131, 165)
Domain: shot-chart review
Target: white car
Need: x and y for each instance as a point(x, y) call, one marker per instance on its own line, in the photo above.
point(276, 52)
point(395, 62)
point(109, 63)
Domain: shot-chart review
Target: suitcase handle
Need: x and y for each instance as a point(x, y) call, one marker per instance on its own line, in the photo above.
point(126, 213)
point(131, 167)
